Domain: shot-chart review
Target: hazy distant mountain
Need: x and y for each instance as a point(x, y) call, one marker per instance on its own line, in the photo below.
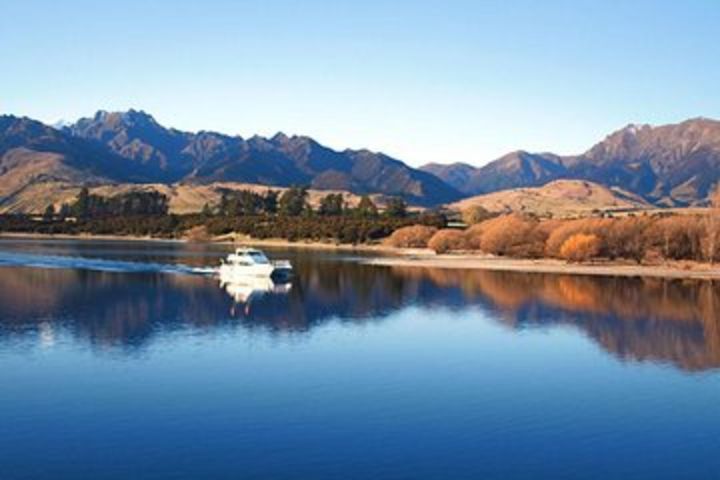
point(159, 154)
point(516, 169)
point(672, 164)
point(457, 175)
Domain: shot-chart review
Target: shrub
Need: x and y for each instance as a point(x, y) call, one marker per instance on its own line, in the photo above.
point(558, 236)
point(414, 236)
point(473, 235)
point(677, 237)
point(625, 238)
point(580, 247)
point(506, 235)
point(448, 239)
point(198, 233)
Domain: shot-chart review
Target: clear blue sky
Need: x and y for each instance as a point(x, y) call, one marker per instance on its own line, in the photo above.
point(421, 80)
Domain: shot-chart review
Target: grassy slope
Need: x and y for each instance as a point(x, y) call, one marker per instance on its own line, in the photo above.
point(561, 198)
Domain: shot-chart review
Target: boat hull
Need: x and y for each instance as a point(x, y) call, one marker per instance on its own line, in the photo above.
point(232, 272)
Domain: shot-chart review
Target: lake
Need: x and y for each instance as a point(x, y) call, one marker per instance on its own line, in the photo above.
point(121, 360)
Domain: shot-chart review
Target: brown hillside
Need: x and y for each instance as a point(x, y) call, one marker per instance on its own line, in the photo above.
point(561, 198)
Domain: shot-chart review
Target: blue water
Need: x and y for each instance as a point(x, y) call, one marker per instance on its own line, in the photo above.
point(118, 360)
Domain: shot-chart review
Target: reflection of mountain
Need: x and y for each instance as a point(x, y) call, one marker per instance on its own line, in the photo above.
point(637, 319)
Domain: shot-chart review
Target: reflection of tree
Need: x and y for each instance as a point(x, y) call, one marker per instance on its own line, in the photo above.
point(105, 308)
point(635, 318)
point(643, 319)
point(128, 309)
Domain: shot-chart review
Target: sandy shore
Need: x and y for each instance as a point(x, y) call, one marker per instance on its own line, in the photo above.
point(476, 262)
point(342, 247)
point(425, 258)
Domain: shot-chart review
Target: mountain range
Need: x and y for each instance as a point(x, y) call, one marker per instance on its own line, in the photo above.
point(670, 165)
point(131, 147)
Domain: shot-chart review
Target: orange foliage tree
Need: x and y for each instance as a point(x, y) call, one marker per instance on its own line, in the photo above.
point(506, 235)
point(677, 237)
point(558, 236)
point(711, 239)
point(448, 239)
point(580, 247)
point(414, 236)
point(625, 238)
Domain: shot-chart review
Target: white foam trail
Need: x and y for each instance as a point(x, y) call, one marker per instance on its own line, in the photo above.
point(97, 264)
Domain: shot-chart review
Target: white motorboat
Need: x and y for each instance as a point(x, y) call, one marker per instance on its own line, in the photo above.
point(251, 262)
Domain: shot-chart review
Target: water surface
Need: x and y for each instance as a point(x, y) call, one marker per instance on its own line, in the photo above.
point(124, 360)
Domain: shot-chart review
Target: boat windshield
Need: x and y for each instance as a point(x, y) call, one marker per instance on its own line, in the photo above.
point(258, 257)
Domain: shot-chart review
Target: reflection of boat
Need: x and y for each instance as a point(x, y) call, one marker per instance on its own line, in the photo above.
point(250, 262)
point(242, 290)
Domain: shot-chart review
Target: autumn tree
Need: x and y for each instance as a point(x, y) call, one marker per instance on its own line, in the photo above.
point(677, 237)
point(414, 236)
point(580, 247)
point(448, 239)
point(711, 239)
point(625, 238)
point(568, 228)
point(506, 235)
point(473, 235)
point(198, 233)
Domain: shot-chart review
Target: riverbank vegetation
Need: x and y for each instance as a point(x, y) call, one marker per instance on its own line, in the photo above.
point(635, 238)
point(646, 238)
point(286, 216)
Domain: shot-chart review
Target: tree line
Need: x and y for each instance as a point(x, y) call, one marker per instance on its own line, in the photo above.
point(88, 205)
point(289, 215)
point(293, 202)
point(636, 238)
point(286, 215)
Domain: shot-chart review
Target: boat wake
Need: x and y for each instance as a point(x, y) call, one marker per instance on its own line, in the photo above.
point(98, 264)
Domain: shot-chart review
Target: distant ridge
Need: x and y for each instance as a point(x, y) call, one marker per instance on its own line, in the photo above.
point(117, 147)
point(159, 154)
point(671, 165)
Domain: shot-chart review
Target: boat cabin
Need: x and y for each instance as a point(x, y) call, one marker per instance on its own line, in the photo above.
point(248, 256)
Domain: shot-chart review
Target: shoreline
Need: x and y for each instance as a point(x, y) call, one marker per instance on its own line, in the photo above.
point(93, 237)
point(425, 258)
point(546, 265)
